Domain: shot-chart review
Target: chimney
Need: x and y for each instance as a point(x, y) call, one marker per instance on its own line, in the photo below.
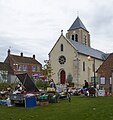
point(9, 51)
point(21, 54)
point(33, 56)
point(61, 32)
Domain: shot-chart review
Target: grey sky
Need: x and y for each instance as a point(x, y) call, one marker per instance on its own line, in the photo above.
point(33, 26)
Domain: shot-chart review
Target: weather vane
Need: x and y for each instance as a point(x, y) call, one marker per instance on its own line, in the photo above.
point(9, 47)
point(77, 13)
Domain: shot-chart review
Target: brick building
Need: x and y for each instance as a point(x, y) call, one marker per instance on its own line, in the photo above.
point(104, 73)
point(21, 64)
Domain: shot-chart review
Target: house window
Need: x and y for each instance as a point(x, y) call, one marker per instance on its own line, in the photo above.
point(83, 66)
point(24, 67)
point(34, 68)
point(20, 68)
point(38, 68)
point(72, 37)
point(61, 47)
point(85, 40)
point(76, 38)
point(102, 80)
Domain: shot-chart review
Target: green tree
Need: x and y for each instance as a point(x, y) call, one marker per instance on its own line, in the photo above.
point(48, 71)
point(69, 78)
point(4, 76)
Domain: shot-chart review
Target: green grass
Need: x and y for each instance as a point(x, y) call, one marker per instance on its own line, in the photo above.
point(80, 108)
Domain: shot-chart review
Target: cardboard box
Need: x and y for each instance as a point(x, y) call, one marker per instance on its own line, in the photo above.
point(43, 103)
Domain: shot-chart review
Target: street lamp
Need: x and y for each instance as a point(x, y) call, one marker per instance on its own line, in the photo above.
point(89, 58)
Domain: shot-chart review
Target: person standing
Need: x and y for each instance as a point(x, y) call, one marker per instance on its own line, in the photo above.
point(69, 96)
point(86, 88)
point(86, 84)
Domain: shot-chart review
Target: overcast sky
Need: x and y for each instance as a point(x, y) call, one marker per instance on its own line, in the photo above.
point(33, 26)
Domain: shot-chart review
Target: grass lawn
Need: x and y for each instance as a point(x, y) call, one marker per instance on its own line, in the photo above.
point(80, 108)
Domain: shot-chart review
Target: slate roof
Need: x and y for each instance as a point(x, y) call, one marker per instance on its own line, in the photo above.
point(23, 59)
point(3, 66)
point(77, 24)
point(83, 49)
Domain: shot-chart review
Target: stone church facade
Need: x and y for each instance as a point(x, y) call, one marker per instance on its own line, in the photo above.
point(70, 54)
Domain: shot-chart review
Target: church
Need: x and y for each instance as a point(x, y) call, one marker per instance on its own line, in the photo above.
point(73, 55)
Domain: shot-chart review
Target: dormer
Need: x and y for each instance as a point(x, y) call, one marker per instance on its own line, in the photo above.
point(78, 33)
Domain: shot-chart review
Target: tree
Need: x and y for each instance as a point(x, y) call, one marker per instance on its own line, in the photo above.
point(69, 78)
point(4, 76)
point(42, 83)
point(48, 71)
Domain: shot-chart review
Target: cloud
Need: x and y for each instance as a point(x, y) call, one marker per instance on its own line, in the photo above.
point(33, 26)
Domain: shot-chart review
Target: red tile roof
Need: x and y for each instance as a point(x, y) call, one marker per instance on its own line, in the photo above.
point(22, 59)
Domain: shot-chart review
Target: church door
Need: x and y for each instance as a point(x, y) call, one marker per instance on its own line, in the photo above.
point(62, 77)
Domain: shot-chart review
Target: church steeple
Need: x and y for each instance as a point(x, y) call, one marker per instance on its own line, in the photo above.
point(77, 24)
point(78, 33)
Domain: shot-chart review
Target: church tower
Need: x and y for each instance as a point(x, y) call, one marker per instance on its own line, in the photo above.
point(78, 33)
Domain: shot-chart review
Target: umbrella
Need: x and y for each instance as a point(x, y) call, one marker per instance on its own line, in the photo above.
point(35, 75)
point(42, 76)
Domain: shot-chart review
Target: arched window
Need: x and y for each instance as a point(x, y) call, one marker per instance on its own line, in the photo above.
point(72, 37)
point(83, 66)
point(85, 40)
point(76, 38)
point(61, 47)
